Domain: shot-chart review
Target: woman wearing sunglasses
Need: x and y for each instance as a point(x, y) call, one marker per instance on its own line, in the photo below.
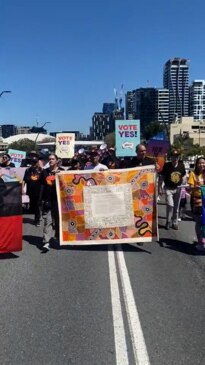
point(6, 161)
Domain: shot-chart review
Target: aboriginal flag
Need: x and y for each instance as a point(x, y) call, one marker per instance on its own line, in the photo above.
point(10, 216)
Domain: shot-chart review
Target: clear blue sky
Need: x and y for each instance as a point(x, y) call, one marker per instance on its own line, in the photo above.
point(63, 58)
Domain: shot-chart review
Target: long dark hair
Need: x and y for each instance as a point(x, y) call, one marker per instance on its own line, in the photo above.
point(196, 169)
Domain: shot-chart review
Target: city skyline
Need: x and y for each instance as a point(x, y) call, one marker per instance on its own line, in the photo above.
point(113, 102)
point(63, 61)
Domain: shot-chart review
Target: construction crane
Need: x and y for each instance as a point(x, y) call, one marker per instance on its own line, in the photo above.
point(118, 101)
point(121, 97)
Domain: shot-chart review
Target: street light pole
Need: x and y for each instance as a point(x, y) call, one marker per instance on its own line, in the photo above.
point(39, 133)
point(5, 92)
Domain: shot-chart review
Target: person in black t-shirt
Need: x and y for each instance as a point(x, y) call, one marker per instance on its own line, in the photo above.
point(50, 203)
point(33, 181)
point(172, 175)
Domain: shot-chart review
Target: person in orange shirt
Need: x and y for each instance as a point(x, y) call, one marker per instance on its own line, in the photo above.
point(196, 179)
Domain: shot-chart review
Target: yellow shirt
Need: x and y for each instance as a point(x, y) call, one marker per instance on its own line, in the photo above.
point(195, 181)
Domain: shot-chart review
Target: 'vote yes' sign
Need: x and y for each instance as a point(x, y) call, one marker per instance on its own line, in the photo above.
point(127, 137)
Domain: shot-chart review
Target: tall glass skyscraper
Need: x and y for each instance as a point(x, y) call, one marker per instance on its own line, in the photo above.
point(176, 80)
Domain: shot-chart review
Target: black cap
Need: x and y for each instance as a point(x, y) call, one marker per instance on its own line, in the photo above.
point(33, 154)
point(175, 153)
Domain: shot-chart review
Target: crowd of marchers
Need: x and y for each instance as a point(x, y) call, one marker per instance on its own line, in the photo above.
point(173, 180)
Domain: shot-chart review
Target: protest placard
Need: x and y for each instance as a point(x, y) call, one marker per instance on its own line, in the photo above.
point(158, 149)
point(17, 156)
point(127, 137)
point(65, 143)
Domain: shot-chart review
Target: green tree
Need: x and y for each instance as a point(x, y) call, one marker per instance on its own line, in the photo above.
point(22, 145)
point(110, 139)
point(152, 129)
point(185, 146)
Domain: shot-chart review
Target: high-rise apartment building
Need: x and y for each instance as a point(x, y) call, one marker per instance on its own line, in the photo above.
point(176, 80)
point(140, 104)
point(130, 104)
point(8, 130)
point(23, 130)
point(197, 99)
point(148, 105)
point(108, 108)
point(145, 106)
point(162, 105)
point(102, 124)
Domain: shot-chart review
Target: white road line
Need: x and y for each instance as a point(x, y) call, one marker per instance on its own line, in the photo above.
point(119, 331)
point(138, 342)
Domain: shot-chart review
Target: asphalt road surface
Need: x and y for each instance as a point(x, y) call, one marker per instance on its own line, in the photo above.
point(104, 305)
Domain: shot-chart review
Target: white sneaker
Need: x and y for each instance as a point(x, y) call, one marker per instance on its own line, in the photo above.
point(179, 219)
point(46, 246)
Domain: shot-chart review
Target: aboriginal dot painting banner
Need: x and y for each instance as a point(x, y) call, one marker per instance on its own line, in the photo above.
point(65, 143)
point(127, 137)
point(114, 206)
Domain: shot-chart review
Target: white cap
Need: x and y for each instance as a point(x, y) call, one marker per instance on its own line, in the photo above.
point(81, 151)
point(103, 146)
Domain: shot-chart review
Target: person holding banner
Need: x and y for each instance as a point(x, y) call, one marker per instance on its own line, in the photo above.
point(50, 203)
point(196, 180)
point(6, 161)
point(141, 159)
